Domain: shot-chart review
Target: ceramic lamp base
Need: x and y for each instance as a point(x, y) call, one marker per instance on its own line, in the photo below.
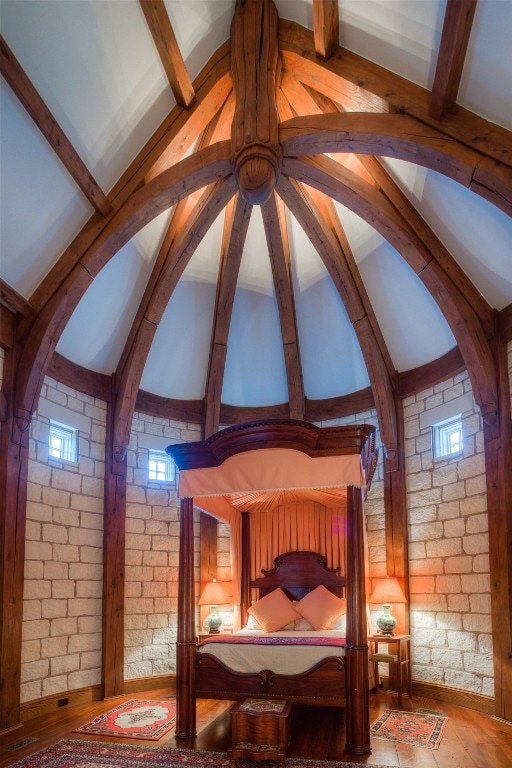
point(386, 622)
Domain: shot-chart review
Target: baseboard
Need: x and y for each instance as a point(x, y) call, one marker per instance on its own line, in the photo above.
point(59, 701)
point(140, 684)
point(461, 698)
point(63, 700)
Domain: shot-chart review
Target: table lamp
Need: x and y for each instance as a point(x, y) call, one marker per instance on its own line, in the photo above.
point(214, 594)
point(387, 591)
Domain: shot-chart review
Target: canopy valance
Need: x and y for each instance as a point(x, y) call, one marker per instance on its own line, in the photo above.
point(285, 459)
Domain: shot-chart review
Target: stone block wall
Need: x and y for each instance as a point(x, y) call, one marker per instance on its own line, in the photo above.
point(448, 547)
point(152, 551)
point(62, 606)
point(448, 544)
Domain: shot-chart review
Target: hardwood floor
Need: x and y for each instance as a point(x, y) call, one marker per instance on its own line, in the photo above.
point(471, 739)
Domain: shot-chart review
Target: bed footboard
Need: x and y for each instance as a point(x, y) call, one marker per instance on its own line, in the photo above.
point(322, 685)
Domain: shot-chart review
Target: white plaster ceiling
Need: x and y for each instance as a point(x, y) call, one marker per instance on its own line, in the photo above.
point(95, 65)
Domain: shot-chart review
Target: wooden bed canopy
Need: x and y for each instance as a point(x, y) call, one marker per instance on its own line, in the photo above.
point(342, 458)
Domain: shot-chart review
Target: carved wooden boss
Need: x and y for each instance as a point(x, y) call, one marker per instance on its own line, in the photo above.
point(255, 66)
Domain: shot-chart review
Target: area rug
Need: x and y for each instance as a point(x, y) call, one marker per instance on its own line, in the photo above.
point(135, 719)
point(416, 728)
point(92, 754)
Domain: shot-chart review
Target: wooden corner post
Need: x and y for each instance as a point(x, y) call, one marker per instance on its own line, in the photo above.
point(358, 708)
point(186, 646)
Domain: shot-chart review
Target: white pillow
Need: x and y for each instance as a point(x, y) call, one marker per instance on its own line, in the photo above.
point(340, 623)
point(303, 625)
point(252, 623)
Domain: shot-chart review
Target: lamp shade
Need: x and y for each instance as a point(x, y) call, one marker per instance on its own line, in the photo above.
point(388, 591)
point(214, 593)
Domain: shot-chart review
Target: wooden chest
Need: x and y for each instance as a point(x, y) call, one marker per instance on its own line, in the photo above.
point(260, 730)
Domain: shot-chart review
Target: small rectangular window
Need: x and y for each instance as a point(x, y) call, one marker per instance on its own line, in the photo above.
point(161, 467)
point(63, 442)
point(447, 438)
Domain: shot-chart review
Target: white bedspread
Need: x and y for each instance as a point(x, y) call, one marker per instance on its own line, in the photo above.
point(283, 659)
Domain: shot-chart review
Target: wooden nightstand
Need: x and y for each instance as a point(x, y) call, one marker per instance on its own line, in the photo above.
point(260, 730)
point(398, 661)
point(205, 635)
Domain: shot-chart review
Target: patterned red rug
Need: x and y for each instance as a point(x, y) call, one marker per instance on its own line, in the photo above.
point(135, 719)
point(92, 754)
point(416, 728)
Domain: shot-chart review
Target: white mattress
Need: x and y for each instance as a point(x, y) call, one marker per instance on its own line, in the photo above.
point(283, 659)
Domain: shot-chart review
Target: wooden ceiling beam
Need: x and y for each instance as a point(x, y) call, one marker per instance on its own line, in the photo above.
point(166, 44)
point(15, 301)
point(26, 93)
point(173, 134)
point(276, 234)
point(458, 21)
point(374, 172)
point(401, 137)
point(326, 27)
point(360, 85)
point(324, 241)
point(428, 241)
point(143, 206)
point(155, 300)
point(236, 223)
point(332, 219)
point(330, 178)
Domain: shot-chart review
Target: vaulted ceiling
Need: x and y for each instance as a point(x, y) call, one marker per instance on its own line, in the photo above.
point(233, 221)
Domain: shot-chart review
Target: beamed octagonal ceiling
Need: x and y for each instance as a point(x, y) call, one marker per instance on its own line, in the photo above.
point(292, 228)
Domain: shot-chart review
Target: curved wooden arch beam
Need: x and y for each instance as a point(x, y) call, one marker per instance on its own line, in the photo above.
point(217, 130)
point(370, 169)
point(324, 241)
point(330, 215)
point(144, 205)
point(276, 234)
point(401, 137)
point(211, 204)
point(328, 177)
point(362, 86)
point(236, 223)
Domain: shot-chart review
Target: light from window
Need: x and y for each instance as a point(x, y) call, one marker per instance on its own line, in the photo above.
point(447, 438)
point(161, 467)
point(63, 442)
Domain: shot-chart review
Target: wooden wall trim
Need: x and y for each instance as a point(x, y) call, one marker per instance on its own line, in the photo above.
point(191, 411)
point(82, 379)
point(15, 301)
point(430, 374)
point(47, 704)
point(457, 696)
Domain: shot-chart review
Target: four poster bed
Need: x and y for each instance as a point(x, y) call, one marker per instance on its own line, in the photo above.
point(257, 477)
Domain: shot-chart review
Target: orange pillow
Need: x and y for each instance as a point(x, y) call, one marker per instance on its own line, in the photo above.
point(320, 607)
point(274, 611)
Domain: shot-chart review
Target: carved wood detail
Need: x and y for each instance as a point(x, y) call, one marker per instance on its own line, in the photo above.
point(255, 68)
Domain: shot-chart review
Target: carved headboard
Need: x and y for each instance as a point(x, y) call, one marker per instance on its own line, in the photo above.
point(297, 573)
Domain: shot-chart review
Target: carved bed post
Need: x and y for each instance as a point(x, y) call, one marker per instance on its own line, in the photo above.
point(185, 657)
point(245, 582)
point(358, 708)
